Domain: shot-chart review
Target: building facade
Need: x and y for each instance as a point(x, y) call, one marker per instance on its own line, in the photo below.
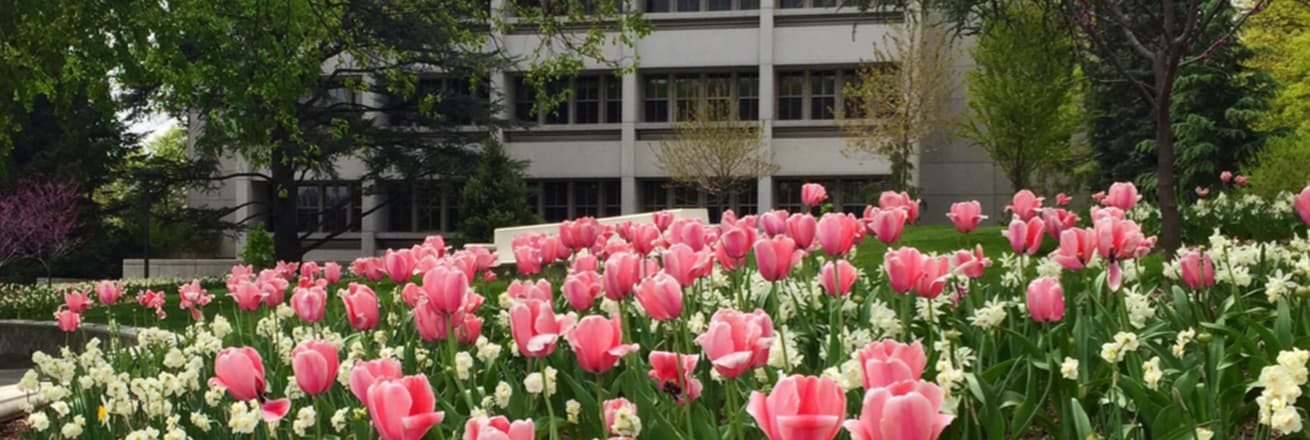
point(782, 63)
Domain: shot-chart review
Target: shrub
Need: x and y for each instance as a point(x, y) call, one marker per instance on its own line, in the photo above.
point(258, 251)
point(1281, 166)
point(494, 196)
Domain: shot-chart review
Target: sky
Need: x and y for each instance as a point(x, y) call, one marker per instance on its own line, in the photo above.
point(152, 125)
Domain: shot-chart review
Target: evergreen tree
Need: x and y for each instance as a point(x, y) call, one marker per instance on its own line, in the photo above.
point(495, 195)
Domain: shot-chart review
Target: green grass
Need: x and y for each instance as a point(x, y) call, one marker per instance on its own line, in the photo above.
point(936, 240)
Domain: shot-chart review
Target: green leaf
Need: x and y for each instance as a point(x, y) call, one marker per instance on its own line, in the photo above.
point(1082, 425)
point(1283, 325)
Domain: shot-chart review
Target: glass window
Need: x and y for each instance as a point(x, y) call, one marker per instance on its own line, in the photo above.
point(747, 199)
point(686, 91)
point(748, 97)
point(791, 94)
point(688, 5)
point(850, 107)
point(586, 199)
point(718, 95)
point(555, 201)
point(657, 99)
point(524, 100)
point(749, 4)
point(308, 201)
point(613, 100)
point(823, 3)
point(560, 113)
point(787, 4)
point(657, 5)
point(851, 196)
point(720, 5)
point(612, 194)
point(453, 191)
point(685, 196)
point(427, 207)
point(823, 94)
point(586, 93)
point(400, 207)
point(654, 196)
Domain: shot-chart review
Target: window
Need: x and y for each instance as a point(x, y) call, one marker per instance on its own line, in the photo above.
point(792, 4)
point(441, 101)
point(815, 95)
point(719, 5)
point(582, 103)
point(559, 200)
point(688, 5)
point(791, 96)
point(657, 99)
point(700, 5)
point(327, 207)
point(657, 5)
point(726, 94)
point(660, 194)
point(848, 195)
point(788, 4)
point(425, 206)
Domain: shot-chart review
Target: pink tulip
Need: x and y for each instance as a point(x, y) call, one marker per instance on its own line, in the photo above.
point(661, 297)
point(598, 343)
point(801, 228)
point(845, 278)
point(581, 289)
point(1098, 196)
point(240, 370)
point(685, 264)
point(310, 304)
point(498, 428)
point(1240, 181)
point(612, 407)
point(909, 410)
point(1201, 192)
point(644, 237)
point(403, 409)
point(583, 263)
point(309, 269)
point(535, 327)
point(1025, 237)
point(676, 375)
point(1302, 204)
point(1056, 220)
point(523, 289)
point(369, 268)
point(361, 307)
point(193, 297)
point(1197, 269)
point(446, 289)
point(966, 215)
point(1061, 200)
point(434, 326)
point(813, 194)
point(800, 408)
point(579, 234)
point(1045, 299)
point(366, 373)
point(399, 265)
point(1099, 213)
point(77, 302)
point(1119, 240)
point(836, 233)
point(903, 267)
point(892, 200)
point(773, 257)
point(662, 219)
point(736, 342)
point(622, 270)
point(774, 222)
point(332, 272)
point(1122, 195)
point(68, 320)
point(888, 361)
point(736, 242)
point(970, 264)
point(315, 366)
point(528, 260)
point(1226, 176)
point(108, 292)
point(1025, 204)
point(247, 295)
point(887, 225)
point(1077, 247)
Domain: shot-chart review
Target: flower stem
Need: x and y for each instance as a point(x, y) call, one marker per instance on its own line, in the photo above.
point(545, 394)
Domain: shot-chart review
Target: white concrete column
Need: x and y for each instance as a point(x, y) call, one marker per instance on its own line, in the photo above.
point(628, 145)
point(244, 193)
point(764, 186)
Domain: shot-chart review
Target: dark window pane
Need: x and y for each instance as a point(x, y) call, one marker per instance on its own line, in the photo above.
point(555, 201)
point(791, 93)
point(612, 195)
point(613, 100)
point(750, 4)
point(308, 200)
point(586, 93)
point(688, 5)
point(586, 199)
point(337, 208)
point(720, 5)
point(523, 101)
point(657, 99)
point(453, 191)
point(823, 94)
point(791, 4)
point(399, 207)
point(560, 113)
point(718, 96)
point(654, 196)
point(686, 91)
point(823, 3)
point(657, 5)
point(748, 101)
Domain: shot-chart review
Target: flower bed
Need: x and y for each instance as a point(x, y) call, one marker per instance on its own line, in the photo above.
point(758, 327)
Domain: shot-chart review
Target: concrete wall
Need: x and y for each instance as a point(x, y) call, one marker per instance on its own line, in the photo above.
point(178, 268)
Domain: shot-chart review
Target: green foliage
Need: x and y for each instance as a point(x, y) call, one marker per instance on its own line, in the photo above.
point(1215, 105)
point(1023, 95)
point(495, 195)
point(1281, 165)
point(258, 251)
point(1281, 37)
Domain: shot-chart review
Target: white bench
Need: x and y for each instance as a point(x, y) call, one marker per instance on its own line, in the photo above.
point(503, 237)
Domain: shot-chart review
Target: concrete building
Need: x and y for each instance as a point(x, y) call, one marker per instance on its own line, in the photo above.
point(781, 62)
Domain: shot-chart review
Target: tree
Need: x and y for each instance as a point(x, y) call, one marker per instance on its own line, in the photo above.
point(39, 218)
point(494, 196)
point(1173, 36)
point(713, 152)
point(1280, 36)
point(275, 83)
point(901, 96)
point(1024, 104)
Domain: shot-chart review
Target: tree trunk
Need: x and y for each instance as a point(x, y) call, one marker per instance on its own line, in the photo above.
point(1165, 192)
point(286, 240)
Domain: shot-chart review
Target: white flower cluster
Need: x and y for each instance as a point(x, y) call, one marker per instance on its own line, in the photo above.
point(626, 423)
point(1123, 343)
point(1282, 386)
point(990, 316)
